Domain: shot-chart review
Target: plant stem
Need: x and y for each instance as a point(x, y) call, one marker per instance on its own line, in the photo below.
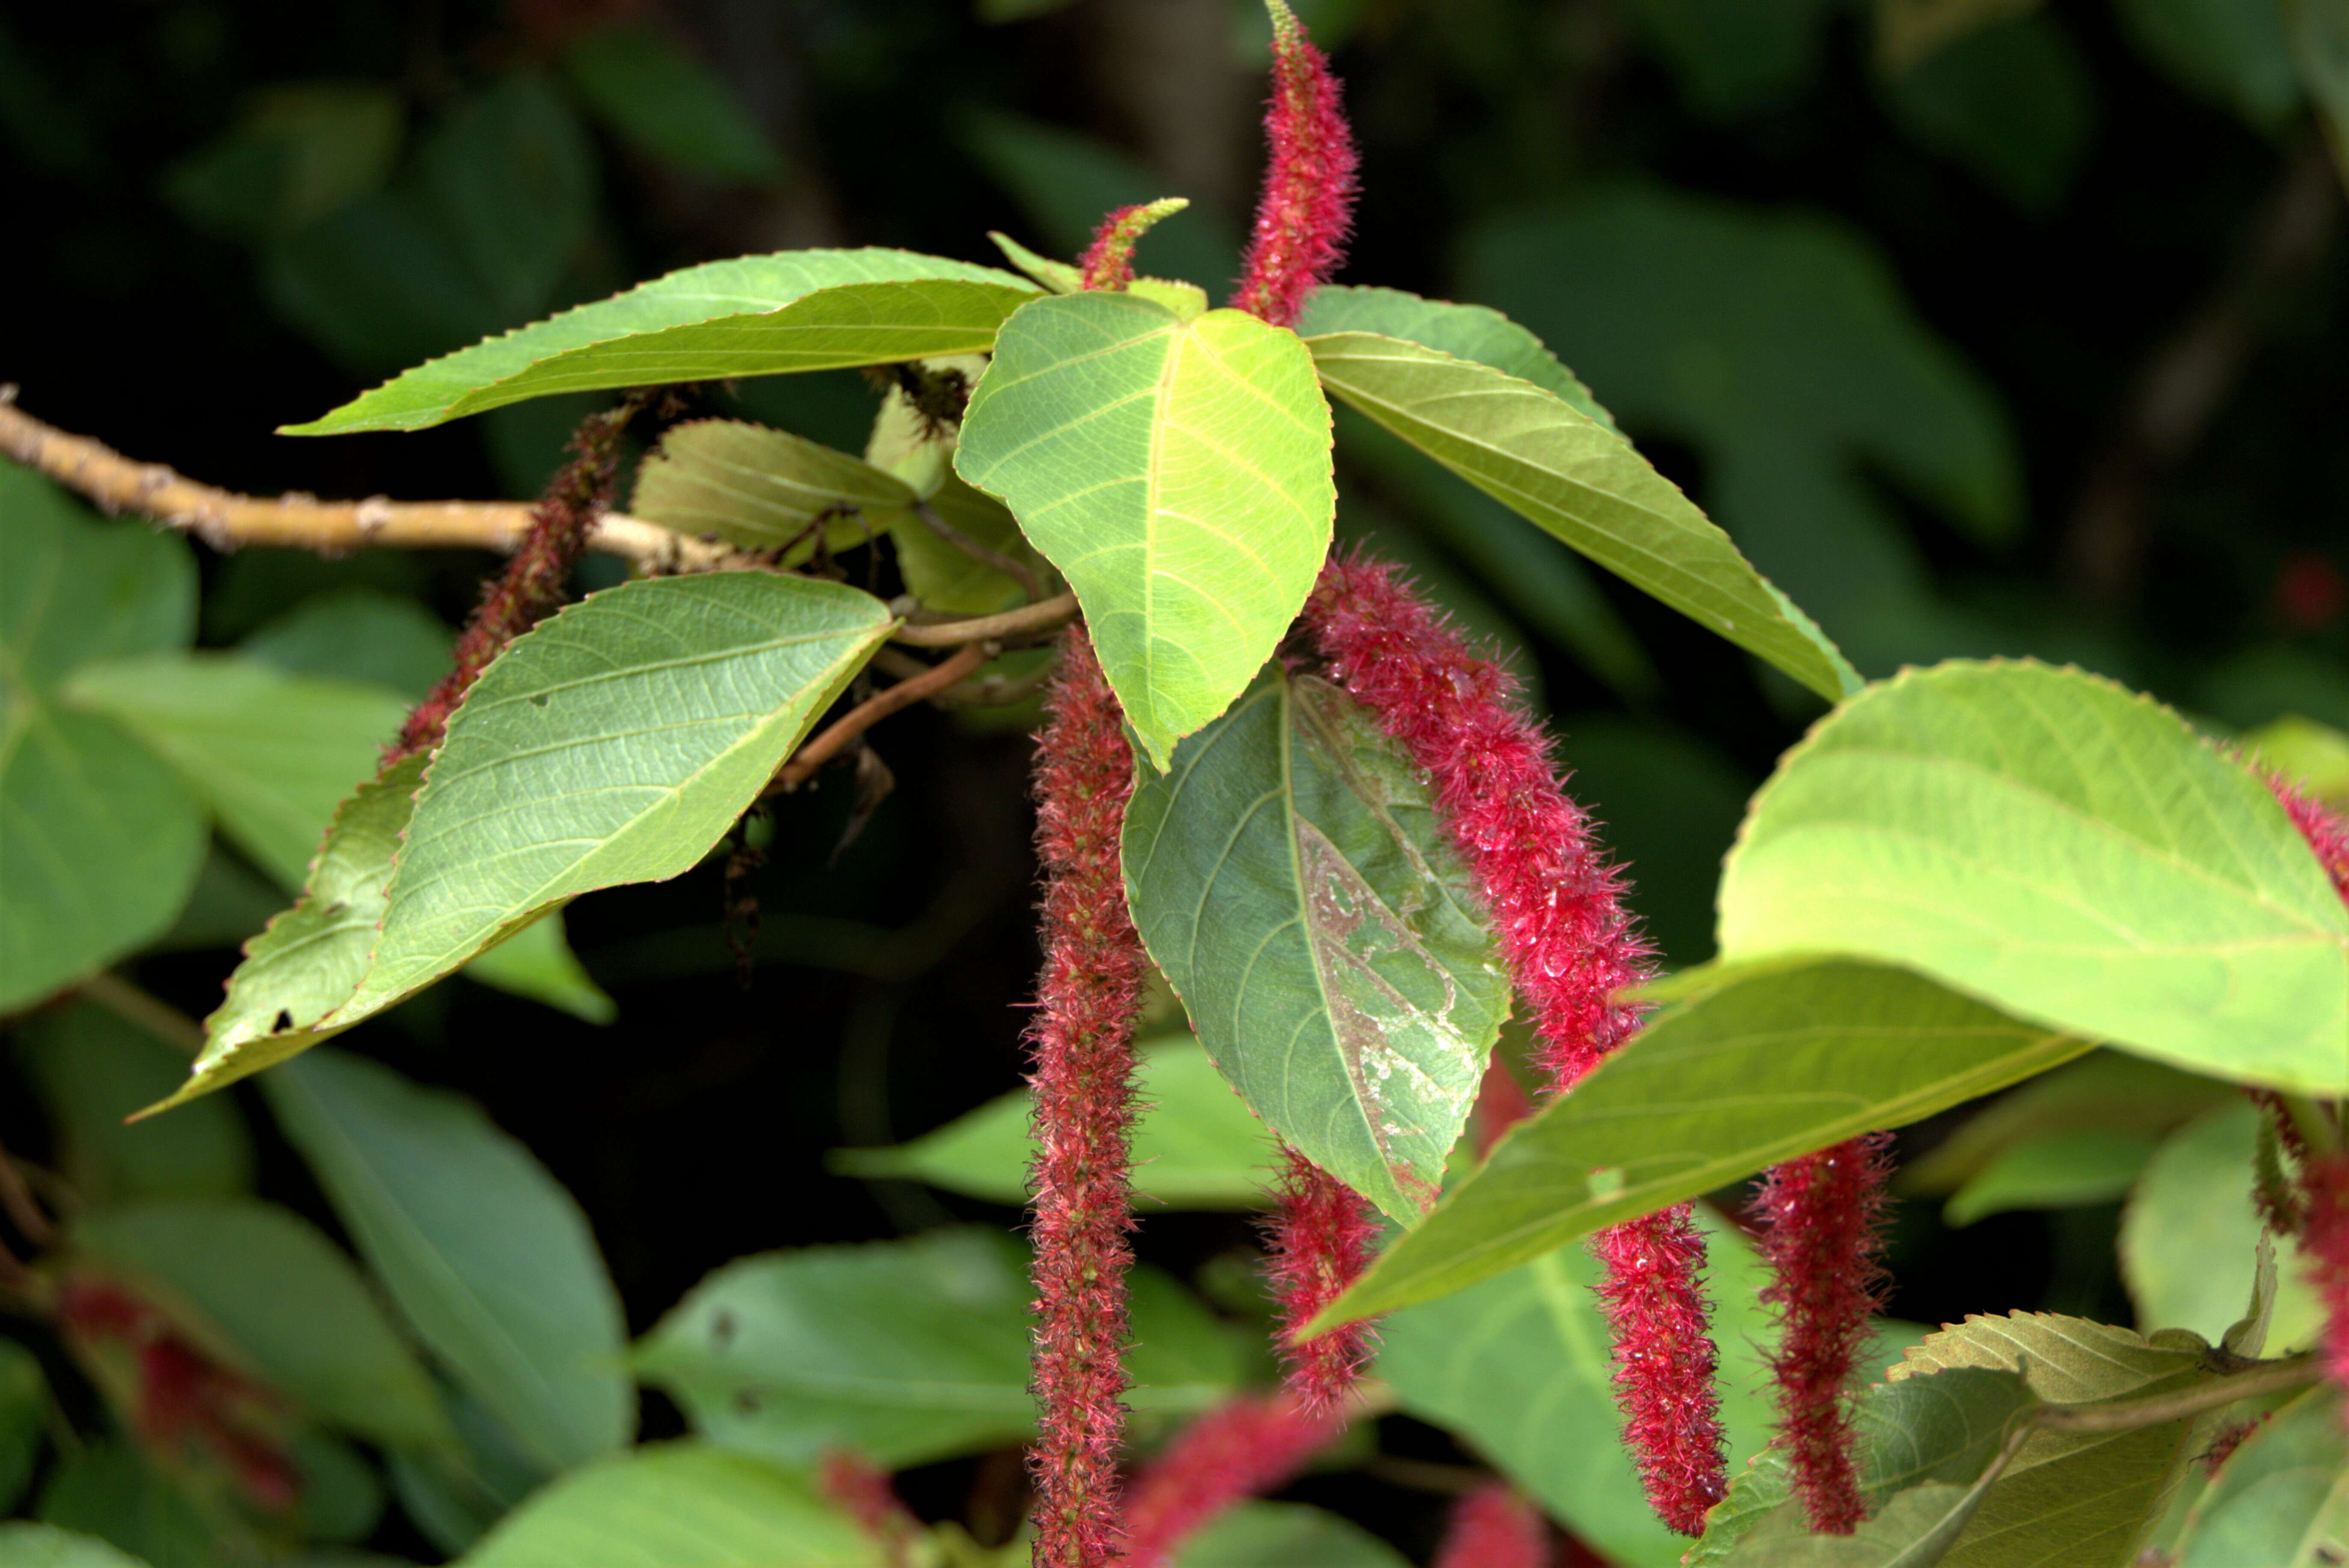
point(1029, 621)
point(871, 711)
point(2127, 1415)
point(1018, 571)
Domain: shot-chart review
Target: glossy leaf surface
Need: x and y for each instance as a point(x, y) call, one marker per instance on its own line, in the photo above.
point(1289, 877)
point(753, 315)
point(2064, 849)
point(1752, 1068)
point(1178, 474)
point(486, 1255)
point(1533, 451)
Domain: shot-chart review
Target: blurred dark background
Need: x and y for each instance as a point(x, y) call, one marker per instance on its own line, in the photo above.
point(1986, 328)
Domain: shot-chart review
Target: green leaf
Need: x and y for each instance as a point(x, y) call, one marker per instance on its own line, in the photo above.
point(1290, 877)
point(1471, 332)
point(1755, 1066)
point(2105, 1092)
point(283, 1297)
point(946, 578)
point(2014, 102)
point(1915, 1529)
point(677, 1505)
point(662, 102)
point(2314, 756)
point(46, 1546)
point(1521, 1367)
point(754, 316)
point(2056, 1170)
point(1938, 1434)
point(1730, 58)
point(537, 962)
point(2189, 1233)
point(108, 1488)
point(296, 152)
point(100, 842)
point(1195, 1145)
point(2064, 849)
point(906, 1351)
point(2232, 55)
point(2089, 1498)
point(24, 1413)
point(359, 634)
point(1285, 1536)
point(2280, 1498)
point(486, 1255)
point(1178, 474)
point(759, 488)
point(1535, 452)
point(271, 754)
point(2320, 51)
point(94, 1069)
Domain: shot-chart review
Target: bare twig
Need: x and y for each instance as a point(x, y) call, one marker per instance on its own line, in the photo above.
point(1018, 571)
point(226, 520)
point(871, 711)
point(2128, 1415)
point(16, 1200)
point(1029, 621)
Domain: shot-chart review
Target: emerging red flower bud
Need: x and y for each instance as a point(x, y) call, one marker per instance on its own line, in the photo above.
point(1493, 1526)
point(1082, 1045)
point(1308, 199)
point(1243, 1450)
point(1821, 1232)
point(1108, 262)
point(1321, 1236)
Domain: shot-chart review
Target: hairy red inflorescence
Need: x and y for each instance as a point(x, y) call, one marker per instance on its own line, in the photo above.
point(1108, 262)
point(1557, 906)
point(533, 586)
point(1493, 1526)
point(1082, 1083)
point(1821, 1217)
point(2327, 834)
point(1308, 199)
point(1243, 1450)
point(1321, 1233)
point(2324, 1243)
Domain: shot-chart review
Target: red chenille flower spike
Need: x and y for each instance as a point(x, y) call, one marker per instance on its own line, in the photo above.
point(1108, 262)
point(1082, 1083)
point(1821, 1218)
point(1243, 1450)
point(1321, 1235)
point(1493, 1526)
point(1557, 912)
point(1308, 201)
point(2324, 1244)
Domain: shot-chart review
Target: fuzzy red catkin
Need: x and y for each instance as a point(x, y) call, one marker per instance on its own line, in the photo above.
point(1108, 262)
point(1083, 1082)
point(1493, 1526)
point(1308, 199)
point(1821, 1217)
point(862, 1490)
point(2327, 834)
point(2324, 1243)
point(1321, 1234)
point(1558, 912)
point(1243, 1450)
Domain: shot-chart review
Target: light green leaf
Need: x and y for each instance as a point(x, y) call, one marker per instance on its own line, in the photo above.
point(1915, 1529)
point(1755, 1066)
point(664, 102)
point(754, 316)
point(2105, 1092)
point(1195, 1145)
point(2280, 1498)
point(1521, 1365)
point(1939, 1433)
point(1285, 1536)
point(759, 488)
point(284, 1298)
point(1473, 332)
point(679, 1505)
point(1290, 877)
point(93, 1069)
point(2054, 1171)
point(615, 743)
point(2084, 1498)
point(485, 1255)
point(271, 754)
point(906, 1351)
point(23, 1412)
point(100, 842)
point(2067, 851)
point(1178, 474)
point(1535, 452)
point(1059, 277)
point(45, 1546)
point(2189, 1233)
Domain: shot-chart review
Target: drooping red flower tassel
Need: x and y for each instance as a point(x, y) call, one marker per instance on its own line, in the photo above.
point(1082, 1083)
point(1493, 1526)
point(1558, 912)
point(1243, 1450)
point(2324, 1243)
point(1321, 1234)
point(1108, 262)
point(861, 1490)
point(1821, 1218)
point(531, 586)
point(1308, 199)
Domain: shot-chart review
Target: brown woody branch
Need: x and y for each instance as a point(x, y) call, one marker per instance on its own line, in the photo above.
point(872, 710)
point(226, 521)
point(1012, 626)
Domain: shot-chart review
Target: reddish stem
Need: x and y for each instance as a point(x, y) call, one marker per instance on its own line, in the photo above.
point(1321, 1235)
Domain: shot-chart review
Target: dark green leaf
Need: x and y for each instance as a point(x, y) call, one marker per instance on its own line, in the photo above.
point(1757, 1065)
point(486, 1255)
point(1289, 877)
point(2064, 850)
point(93, 1069)
point(662, 102)
point(2235, 55)
point(360, 634)
point(1732, 57)
point(2011, 102)
point(24, 1413)
point(2104, 1092)
point(297, 153)
point(2280, 1498)
point(107, 1489)
point(2053, 1171)
point(754, 316)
